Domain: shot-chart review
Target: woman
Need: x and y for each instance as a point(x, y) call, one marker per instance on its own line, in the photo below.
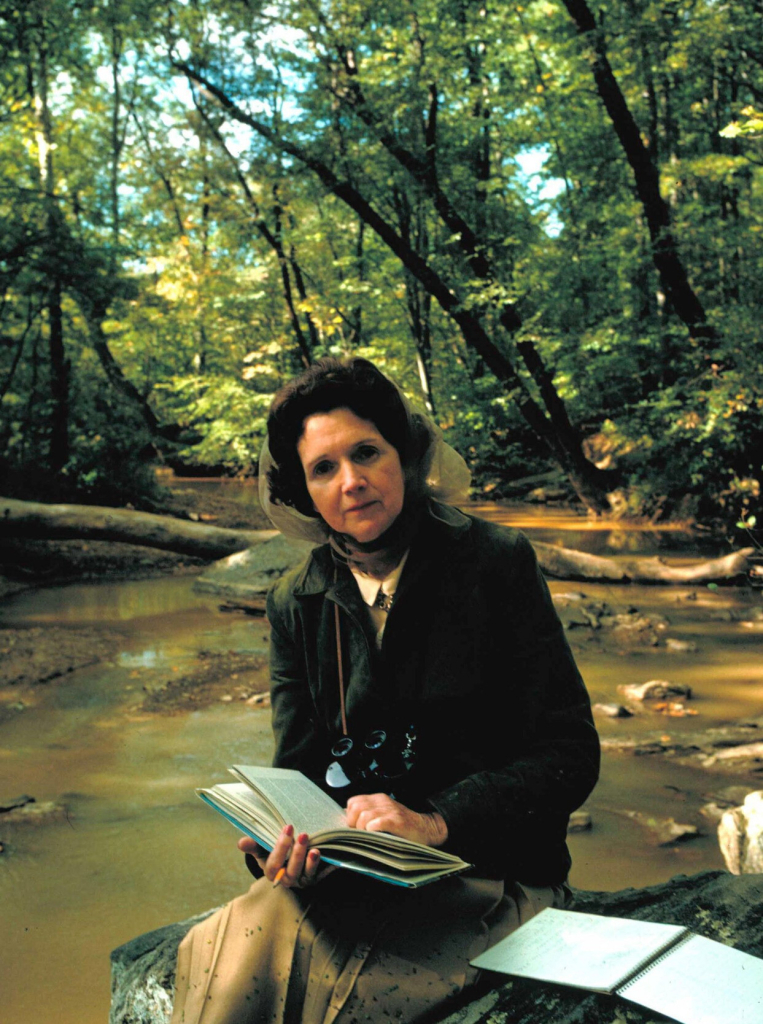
point(428, 638)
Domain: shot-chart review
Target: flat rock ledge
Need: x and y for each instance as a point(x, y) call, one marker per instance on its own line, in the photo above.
point(715, 904)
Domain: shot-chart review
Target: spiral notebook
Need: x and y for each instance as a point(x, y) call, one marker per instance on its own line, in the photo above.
point(662, 967)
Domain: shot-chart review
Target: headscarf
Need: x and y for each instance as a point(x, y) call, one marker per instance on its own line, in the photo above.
point(447, 480)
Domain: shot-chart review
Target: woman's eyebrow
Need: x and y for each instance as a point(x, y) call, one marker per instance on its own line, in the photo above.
point(326, 456)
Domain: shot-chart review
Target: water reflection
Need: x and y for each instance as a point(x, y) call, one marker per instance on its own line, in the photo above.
point(570, 529)
point(104, 602)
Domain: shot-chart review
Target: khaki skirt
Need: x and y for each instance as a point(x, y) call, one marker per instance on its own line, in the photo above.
point(350, 949)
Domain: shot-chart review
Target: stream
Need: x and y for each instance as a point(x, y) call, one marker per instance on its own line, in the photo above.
point(136, 849)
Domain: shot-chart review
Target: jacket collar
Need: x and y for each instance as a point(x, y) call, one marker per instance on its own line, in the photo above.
point(442, 525)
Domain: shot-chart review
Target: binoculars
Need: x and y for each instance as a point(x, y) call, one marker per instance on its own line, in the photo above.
point(379, 756)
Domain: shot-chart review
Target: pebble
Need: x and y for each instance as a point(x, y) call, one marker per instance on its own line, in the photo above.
point(580, 821)
point(612, 710)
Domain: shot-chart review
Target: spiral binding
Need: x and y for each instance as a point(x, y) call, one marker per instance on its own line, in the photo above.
point(646, 965)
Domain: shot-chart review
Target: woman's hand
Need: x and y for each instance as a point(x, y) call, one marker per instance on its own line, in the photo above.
point(377, 812)
point(302, 865)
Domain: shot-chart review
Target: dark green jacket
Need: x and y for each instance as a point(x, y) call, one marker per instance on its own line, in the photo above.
point(475, 656)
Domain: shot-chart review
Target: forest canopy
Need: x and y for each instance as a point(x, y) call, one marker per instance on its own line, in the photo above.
point(543, 219)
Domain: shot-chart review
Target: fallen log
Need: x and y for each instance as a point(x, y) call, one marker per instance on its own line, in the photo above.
point(568, 564)
point(34, 520)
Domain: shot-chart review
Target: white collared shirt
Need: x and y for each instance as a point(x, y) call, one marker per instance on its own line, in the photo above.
point(369, 588)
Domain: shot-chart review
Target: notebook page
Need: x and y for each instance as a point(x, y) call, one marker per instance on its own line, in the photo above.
point(702, 982)
point(583, 950)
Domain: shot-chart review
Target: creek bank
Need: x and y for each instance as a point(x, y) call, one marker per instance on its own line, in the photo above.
point(33, 658)
point(30, 656)
point(720, 906)
point(218, 676)
point(36, 655)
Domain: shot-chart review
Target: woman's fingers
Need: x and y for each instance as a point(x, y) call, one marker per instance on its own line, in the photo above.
point(367, 804)
point(253, 849)
point(377, 812)
point(279, 855)
point(291, 863)
point(312, 866)
point(296, 862)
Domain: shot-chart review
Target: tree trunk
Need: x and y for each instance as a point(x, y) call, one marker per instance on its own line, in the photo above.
point(28, 519)
point(673, 275)
point(59, 382)
point(58, 452)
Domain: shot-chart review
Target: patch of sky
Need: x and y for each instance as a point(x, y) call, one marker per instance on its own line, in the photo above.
point(540, 187)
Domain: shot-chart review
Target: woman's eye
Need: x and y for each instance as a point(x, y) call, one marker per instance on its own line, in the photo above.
point(321, 468)
point(366, 453)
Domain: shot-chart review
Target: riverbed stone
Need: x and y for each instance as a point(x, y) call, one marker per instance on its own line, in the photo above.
point(655, 689)
point(726, 908)
point(664, 831)
point(245, 577)
point(612, 710)
point(28, 811)
point(740, 836)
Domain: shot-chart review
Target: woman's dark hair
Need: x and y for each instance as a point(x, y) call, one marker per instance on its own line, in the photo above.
point(353, 384)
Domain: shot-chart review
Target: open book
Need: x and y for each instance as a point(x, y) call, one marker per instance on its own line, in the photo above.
point(266, 799)
point(660, 966)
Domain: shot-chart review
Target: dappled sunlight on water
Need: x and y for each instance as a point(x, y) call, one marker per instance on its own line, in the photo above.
point(137, 849)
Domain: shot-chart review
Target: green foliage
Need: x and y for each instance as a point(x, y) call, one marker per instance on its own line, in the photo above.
point(172, 231)
point(695, 451)
point(229, 416)
point(751, 125)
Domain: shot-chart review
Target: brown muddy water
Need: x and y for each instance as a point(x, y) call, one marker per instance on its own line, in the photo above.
point(137, 849)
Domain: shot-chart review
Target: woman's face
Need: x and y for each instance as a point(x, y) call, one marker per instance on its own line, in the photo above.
point(353, 475)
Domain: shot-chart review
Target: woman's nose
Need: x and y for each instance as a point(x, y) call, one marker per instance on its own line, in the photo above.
point(352, 477)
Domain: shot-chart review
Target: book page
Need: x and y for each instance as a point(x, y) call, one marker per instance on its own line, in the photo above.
point(246, 808)
point(583, 950)
point(299, 801)
point(702, 982)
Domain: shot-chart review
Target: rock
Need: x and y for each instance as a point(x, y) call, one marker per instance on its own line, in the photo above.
point(245, 577)
point(712, 812)
point(714, 904)
point(261, 700)
point(665, 831)
point(580, 821)
point(724, 748)
point(143, 973)
point(730, 796)
point(34, 813)
point(14, 802)
point(680, 646)
point(612, 710)
point(740, 836)
point(672, 708)
point(655, 689)
point(741, 752)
